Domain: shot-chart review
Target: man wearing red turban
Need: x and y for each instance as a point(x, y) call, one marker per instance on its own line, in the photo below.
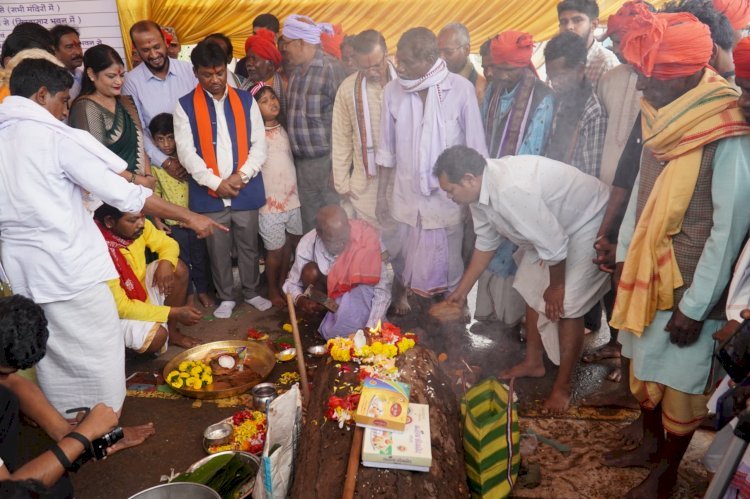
point(517, 117)
point(263, 60)
point(681, 233)
point(742, 74)
point(737, 11)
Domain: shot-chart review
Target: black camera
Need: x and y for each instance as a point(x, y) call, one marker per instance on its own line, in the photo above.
point(99, 446)
point(734, 354)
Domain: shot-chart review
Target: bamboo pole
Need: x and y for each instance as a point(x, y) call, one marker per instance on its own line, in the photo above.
point(352, 466)
point(300, 353)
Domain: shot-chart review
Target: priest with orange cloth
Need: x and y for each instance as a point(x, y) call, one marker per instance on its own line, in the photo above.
point(263, 60)
point(683, 229)
point(347, 257)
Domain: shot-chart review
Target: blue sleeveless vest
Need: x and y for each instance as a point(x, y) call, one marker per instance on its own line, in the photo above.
point(253, 195)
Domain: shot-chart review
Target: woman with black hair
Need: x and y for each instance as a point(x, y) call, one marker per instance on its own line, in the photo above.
point(109, 116)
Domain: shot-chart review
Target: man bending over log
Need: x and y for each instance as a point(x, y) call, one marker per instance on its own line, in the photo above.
point(551, 211)
point(343, 259)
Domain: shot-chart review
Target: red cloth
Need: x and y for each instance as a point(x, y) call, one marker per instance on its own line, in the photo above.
point(360, 261)
point(263, 44)
point(167, 37)
point(737, 11)
point(513, 48)
point(332, 43)
point(667, 46)
point(128, 281)
point(617, 22)
point(742, 58)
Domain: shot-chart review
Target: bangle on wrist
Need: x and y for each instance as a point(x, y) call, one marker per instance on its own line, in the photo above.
point(132, 178)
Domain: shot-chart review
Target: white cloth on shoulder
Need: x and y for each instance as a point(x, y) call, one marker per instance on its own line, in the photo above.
point(139, 334)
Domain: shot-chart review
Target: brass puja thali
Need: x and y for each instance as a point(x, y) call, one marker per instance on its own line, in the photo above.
point(219, 369)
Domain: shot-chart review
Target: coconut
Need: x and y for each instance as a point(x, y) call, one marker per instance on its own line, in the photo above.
point(226, 361)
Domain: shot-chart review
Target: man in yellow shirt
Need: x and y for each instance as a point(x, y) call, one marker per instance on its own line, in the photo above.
point(151, 298)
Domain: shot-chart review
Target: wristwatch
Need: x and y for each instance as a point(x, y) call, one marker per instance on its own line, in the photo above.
point(243, 176)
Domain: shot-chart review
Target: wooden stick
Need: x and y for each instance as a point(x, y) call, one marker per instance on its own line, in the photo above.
point(300, 353)
point(352, 466)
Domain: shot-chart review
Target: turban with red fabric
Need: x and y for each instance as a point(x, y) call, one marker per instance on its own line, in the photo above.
point(742, 58)
point(618, 22)
point(513, 48)
point(167, 37)
point(263, 44)
point(331, 43)
point(737, 11)
point(667, 46)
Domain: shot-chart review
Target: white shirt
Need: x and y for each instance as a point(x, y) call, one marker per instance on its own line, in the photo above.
point(195, 165)
point(51, 249)
point(537, 203)
point(312, 249)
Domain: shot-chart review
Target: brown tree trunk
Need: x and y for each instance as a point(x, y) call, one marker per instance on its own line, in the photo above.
point(320, 467)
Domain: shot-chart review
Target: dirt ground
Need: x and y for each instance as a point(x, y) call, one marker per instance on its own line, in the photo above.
point(578, 473)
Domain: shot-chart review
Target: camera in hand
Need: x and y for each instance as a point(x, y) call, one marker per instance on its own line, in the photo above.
point(98, 449)
point(100, 445)
point(734, 355)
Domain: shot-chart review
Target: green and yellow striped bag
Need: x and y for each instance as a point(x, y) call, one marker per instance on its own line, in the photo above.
point(491, 439)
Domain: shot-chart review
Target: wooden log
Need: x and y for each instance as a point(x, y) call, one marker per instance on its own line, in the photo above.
point(321, 464)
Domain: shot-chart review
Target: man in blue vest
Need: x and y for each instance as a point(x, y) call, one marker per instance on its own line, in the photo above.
point(221, 143)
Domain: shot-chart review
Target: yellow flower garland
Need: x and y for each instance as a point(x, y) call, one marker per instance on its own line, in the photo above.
point(190, 374)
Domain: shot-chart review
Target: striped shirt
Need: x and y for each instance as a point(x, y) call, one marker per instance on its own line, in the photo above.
point(310, 98)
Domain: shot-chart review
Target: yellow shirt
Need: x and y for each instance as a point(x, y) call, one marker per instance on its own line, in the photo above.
point(170, 189)
point(135, 254)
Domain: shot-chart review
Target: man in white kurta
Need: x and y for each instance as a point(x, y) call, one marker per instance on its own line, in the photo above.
point(551, 211)
point(51, 249)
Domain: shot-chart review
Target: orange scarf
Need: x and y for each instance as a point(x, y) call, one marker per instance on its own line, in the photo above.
point(206, 132)
point(359, 263)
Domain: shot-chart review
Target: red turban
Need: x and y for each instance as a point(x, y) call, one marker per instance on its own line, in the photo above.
point(618, 22)
point(332, 43)
point(667, 46)
point(513, 48)
point(263, 44)
point(167, 37)
point(742, 58)
point(737, 11)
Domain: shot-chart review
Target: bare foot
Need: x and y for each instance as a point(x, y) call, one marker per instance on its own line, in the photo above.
point(182, 340)
point(632, 434)
point(608, 351)
point(525, 369)
point(205, 300)
point(642, 456)
point(558, 401)
point(133, 435)
point(659, 483)
point(277, 300)
point(402, 307)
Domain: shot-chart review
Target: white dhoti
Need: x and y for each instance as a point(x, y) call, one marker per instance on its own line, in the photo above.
point(585, 284)
point(85, 361)
point(140, 334)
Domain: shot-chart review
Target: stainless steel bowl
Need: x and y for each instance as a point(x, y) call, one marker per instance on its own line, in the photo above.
point(263, 394)
point(317, 350)
point(218, 434)
point(178, 490)
point(246, 489)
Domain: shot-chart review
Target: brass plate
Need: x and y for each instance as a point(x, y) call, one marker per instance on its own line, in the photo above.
point(259, 358)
